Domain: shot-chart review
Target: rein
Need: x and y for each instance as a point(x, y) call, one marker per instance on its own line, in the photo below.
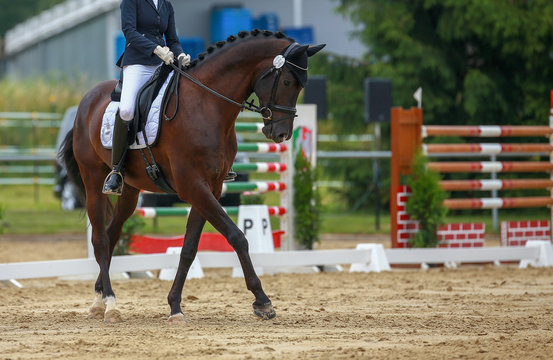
point(266, 112)
point(243, 105)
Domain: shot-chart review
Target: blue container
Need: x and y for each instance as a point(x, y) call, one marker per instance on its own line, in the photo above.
point(226, 21)
point(302, 35)
point(267, 21)
point(192, 46)
point(119, 46)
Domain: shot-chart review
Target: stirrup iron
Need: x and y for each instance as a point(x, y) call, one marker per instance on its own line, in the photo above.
point(231, 176)
point(118, 188)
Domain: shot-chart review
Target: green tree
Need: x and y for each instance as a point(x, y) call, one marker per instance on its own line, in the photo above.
point(132, 226)
point(306, 203)
point(478, 61)
point(344, 78)
point(14, 12)
point(344, 82)
point(426, 203)
point(1, 217)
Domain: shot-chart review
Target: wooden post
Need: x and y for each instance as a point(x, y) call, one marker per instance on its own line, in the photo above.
point(405, 141)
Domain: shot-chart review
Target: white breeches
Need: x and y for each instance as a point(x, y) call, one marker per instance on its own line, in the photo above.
point(134, 76)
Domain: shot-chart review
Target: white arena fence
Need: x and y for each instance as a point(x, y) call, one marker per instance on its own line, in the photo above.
point(366, 258)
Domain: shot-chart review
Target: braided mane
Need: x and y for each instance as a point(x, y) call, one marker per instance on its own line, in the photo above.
point(233, 39)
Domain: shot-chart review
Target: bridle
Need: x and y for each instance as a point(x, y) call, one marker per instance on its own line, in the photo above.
point(278, 65)
point(266, 111)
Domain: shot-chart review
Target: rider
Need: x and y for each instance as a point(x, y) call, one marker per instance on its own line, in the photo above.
point(144, 24)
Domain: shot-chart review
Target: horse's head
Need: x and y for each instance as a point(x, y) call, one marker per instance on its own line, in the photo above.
point(278, 89)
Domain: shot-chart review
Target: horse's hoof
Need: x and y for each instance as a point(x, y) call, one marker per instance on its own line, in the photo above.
point(177, 319)
point(264, 311)
point(96, 313)
point(112, 317)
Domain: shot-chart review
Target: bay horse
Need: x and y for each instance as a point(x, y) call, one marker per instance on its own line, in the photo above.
point(195, 150)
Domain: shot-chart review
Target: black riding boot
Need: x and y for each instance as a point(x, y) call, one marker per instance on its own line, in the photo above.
point(230, 176)
point(113, 185)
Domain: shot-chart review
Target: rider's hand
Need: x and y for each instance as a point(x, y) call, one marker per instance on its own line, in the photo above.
point(165, 54)
point(183, 59)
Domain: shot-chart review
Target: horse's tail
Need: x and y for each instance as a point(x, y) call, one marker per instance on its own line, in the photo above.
point(67, 156)
point(68, 159)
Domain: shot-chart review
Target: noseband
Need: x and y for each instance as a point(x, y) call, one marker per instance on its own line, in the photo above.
point(266, 111)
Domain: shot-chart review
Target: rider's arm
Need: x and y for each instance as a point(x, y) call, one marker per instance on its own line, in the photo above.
point(128, 24)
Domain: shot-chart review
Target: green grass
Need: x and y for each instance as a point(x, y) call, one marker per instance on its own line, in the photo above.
point(54, 93)
point(356, 223)
point(35, 210)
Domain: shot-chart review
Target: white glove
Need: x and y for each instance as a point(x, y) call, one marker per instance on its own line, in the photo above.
point(165, 54)
point(183, 59)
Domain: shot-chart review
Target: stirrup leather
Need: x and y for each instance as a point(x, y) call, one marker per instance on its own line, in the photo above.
point(113, 189)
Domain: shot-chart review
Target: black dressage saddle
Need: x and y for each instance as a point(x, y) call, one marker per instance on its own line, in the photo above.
point(146, 95)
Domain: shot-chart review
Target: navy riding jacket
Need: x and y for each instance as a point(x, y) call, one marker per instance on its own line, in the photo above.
point(144, 26)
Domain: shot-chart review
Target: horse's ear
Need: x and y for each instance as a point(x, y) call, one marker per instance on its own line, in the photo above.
point(298, 50)
point(312, 50)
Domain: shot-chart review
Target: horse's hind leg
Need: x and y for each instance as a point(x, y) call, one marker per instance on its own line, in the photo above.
point(207, 205)
point(194, 228)
point(124, 208)
point(96, 203)
point(96, 209)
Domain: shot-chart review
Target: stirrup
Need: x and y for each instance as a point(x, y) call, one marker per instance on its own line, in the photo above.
point(231, 176)
point(118, 188)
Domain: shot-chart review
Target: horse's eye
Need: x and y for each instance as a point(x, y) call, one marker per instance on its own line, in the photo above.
point(286, 82)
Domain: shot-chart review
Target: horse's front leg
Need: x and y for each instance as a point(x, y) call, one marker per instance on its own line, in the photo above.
point(194, 228)
point(209, 207)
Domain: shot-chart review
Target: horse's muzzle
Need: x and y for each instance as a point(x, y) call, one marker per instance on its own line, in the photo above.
point(267, 130)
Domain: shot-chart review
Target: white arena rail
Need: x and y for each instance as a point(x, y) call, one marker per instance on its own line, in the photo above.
point(535, 253)
point(130, 263)
point(468, 255)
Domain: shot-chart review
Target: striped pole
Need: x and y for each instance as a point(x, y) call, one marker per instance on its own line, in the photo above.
point(252, 127)
point(459, 185)
point(152, 212)
point(486, 131)
point(485, 148)
point(497, 203)
point(490, 166)
point(259, 167)
point(260, 186)
point(551, 161)
point(262, 147)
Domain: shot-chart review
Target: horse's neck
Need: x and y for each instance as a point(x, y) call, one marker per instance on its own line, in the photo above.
point(235, 69)
point(232, 72)
point(230, 75)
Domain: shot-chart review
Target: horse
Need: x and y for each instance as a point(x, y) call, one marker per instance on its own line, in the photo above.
point(195, 149)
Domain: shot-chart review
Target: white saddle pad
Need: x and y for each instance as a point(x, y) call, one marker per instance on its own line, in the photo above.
point(152, 123)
